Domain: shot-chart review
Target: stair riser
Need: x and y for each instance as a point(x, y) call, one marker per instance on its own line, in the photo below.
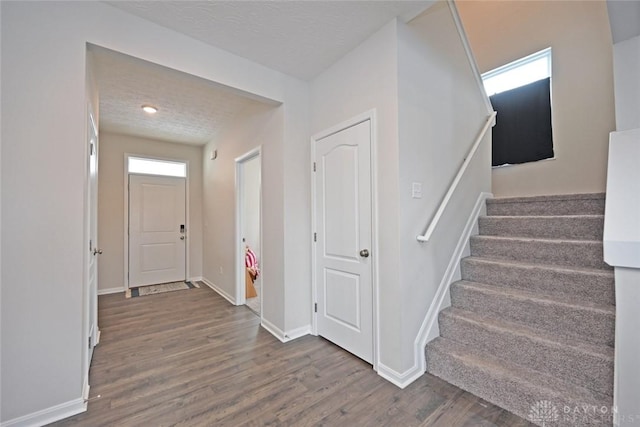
point(550, 207)
point(571, 228)
point(579, 367)
point(514, 396)
point(589, 287)
point(581, 323)
point(561, 253)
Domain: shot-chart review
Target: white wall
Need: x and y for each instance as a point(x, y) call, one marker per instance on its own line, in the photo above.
point(622, 251)
point(258, 125)
point(297, 211)
point(627, 375)
point(43, 167)
point(43, 176)
point(441, 111)
point(626, 67)
point(622, 226)
point(286, 241)
point(582, 85)
point(111, 195)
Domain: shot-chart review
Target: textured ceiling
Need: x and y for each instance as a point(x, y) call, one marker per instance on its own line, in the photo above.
point(299, 38)
point(191, 110)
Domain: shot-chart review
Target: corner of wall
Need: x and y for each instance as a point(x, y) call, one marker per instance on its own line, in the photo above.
point(401, 380)
point(285, 336)
point(219, 290)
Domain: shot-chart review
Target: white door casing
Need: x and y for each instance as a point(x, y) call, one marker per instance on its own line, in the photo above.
point(343, 239)
point(157, 229)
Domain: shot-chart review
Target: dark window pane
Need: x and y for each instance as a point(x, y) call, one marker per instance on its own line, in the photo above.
point(523, 127)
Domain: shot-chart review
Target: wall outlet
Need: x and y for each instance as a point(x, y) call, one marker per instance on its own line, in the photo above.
point(221, 272)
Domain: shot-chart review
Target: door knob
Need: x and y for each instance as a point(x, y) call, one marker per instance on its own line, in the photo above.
point(97, 251)
point(364, 253)
point(181, 237)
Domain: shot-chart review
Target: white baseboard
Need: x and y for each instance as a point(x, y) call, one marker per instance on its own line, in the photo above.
point(429, 329)
point(219, 290)
point(297, 333)
point(398, 379)
point(285, 336)
point(108, 291)
point(196, 279)
point(49, 415)
point(273, 330)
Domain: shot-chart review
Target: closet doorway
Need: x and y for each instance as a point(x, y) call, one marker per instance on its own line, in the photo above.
point(249, 286)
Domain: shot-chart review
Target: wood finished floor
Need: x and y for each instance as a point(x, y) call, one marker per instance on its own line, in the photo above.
point(189, 358)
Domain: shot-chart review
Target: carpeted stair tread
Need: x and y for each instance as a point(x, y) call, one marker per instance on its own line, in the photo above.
point(564, 300)
point(577, 253)
point(557, 315)
point(510, 386)
point(572, 204)
point(572, 360)
point(547, 198)
point(568, 227)
point(580, 283)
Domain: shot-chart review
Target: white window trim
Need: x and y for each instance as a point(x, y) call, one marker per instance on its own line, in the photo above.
point(515, 64)
point(544, 53)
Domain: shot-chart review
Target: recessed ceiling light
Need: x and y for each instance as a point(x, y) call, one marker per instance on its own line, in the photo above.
point(149, 109)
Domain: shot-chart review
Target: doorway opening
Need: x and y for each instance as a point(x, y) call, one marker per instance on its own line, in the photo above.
point(249, 284)
point(156, 228)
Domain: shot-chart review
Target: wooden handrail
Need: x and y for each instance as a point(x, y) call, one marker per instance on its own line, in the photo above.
point(491, 120)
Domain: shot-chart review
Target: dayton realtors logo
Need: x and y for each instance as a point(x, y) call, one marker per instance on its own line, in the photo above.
point(546, 414)
point(543, 412)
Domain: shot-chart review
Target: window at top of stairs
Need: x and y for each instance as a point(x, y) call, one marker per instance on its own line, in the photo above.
point(521, 94)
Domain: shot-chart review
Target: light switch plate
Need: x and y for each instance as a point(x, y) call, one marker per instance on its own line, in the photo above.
point(416, 190)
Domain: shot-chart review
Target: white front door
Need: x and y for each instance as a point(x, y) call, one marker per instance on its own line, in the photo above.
point(343, 239)
point(157, 233)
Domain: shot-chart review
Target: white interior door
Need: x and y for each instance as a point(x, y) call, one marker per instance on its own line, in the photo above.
point(94, 251)
point(157, 230)
point(343, 221)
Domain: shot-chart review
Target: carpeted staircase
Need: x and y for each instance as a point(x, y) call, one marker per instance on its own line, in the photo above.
point(531, 323)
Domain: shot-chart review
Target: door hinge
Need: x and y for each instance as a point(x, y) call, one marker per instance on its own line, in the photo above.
point(91, 149)
point(89, 342)
point(315, 307)
point(314, 166)
point(315, 237)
